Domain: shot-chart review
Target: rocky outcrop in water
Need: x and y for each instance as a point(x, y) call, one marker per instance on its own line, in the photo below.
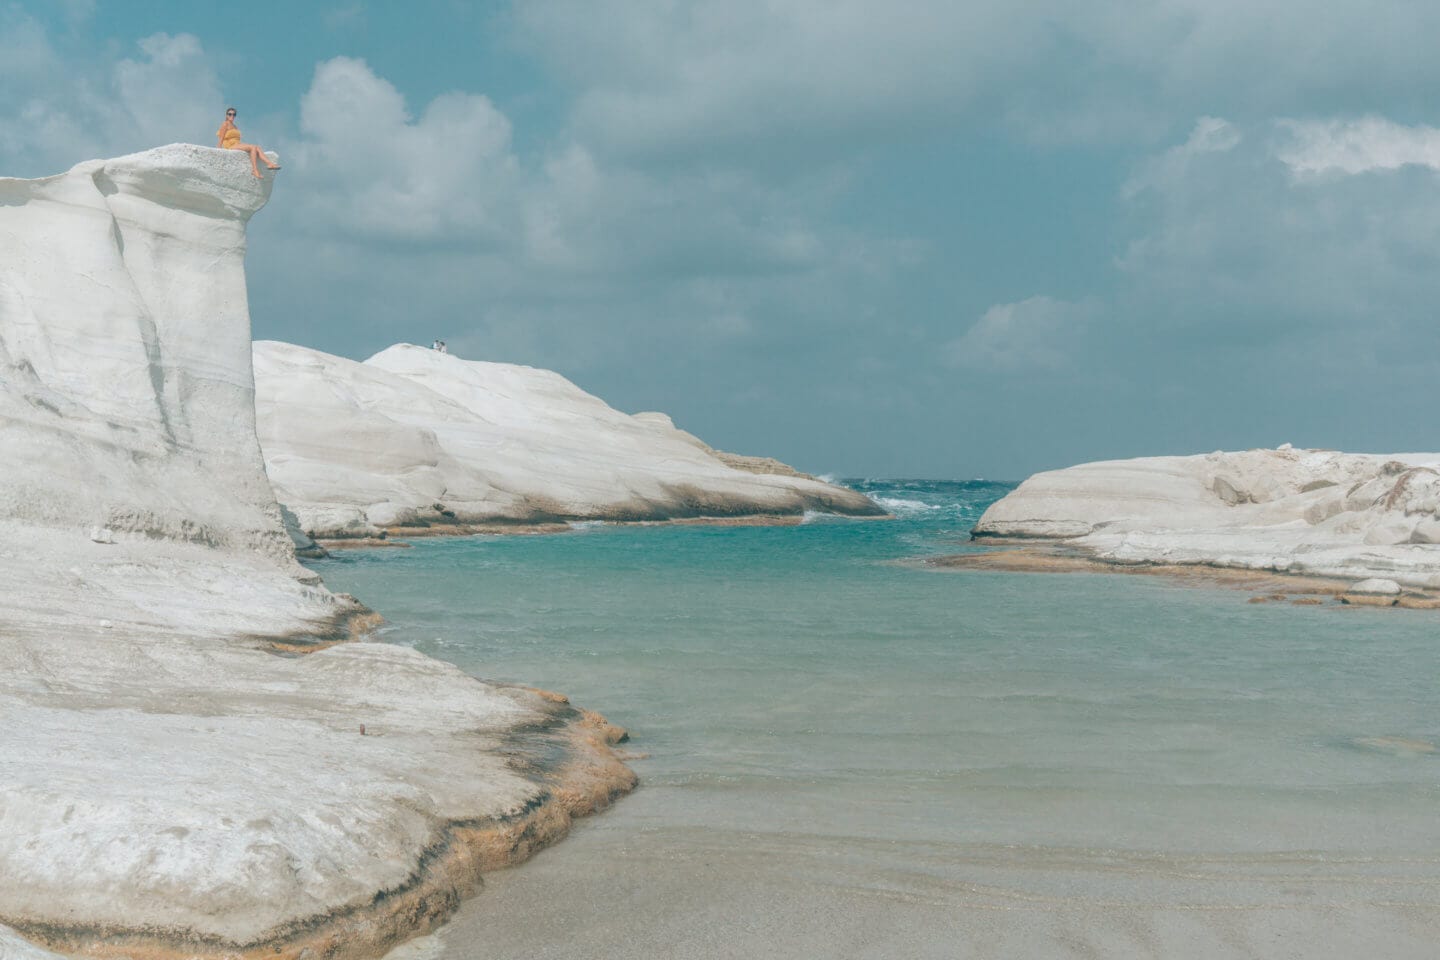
point(416, 438)
point(1318, 512)
point(170, 784)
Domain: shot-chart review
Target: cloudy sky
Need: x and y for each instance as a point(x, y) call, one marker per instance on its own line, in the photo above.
point(944, 238)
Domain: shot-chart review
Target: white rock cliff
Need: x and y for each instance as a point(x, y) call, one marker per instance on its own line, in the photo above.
point(169, 782)
point(1315, 512)
point(414, 436)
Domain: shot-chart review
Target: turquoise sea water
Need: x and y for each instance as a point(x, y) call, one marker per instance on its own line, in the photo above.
point(830, 724)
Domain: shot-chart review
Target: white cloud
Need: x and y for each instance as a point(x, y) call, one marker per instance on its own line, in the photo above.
point(426, 222)
point(680, 77)
point(170, 95)
point(1209, 135)
point(60, 113)
point(688, 78)
point(368, 166)
point(1354, 146)
point(1233, 258)
point(370, 172)
point(1040, 333)
point(1249, 246)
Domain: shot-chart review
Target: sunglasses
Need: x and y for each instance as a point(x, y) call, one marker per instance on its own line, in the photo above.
point(229, 113)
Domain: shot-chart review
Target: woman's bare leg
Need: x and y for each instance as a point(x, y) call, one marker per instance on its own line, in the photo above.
point(257, 154)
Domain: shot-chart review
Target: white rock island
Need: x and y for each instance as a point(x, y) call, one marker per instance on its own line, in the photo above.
point(174, 781)
point(1320, 513)
point(420, 439)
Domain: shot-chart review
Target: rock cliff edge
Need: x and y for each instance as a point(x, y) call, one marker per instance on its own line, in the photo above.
point(170, 784)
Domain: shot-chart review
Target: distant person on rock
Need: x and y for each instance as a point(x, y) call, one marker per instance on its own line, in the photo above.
point(443, 347)
point(228, 138)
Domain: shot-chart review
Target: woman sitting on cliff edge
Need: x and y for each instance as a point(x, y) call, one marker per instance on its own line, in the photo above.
point(228, 138)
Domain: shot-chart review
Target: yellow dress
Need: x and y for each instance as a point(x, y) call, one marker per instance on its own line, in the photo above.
point(231, 138)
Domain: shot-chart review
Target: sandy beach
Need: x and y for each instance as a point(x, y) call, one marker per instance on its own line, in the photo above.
point(623, 887)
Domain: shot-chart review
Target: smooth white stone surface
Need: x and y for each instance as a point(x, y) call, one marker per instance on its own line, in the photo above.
point(124, 340)
point(1320, 512)
point(162, 768)
point(416, 435)
point(1376, 585)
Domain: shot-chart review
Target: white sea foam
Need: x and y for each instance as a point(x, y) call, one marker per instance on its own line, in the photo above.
point(822, 516)
point(903, 507)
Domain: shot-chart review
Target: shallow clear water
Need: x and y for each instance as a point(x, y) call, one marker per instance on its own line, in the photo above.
point(804, 693)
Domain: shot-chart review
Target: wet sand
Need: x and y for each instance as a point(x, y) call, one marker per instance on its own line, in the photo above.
point(624, 886)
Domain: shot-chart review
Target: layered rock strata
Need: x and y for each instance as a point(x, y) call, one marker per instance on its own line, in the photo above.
point(173, 781)
point(1316, 512)
point(416, 438)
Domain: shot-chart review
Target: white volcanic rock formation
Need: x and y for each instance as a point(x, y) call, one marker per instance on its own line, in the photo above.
point(413, 436)
point(168, 782)
point(1315, 512)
